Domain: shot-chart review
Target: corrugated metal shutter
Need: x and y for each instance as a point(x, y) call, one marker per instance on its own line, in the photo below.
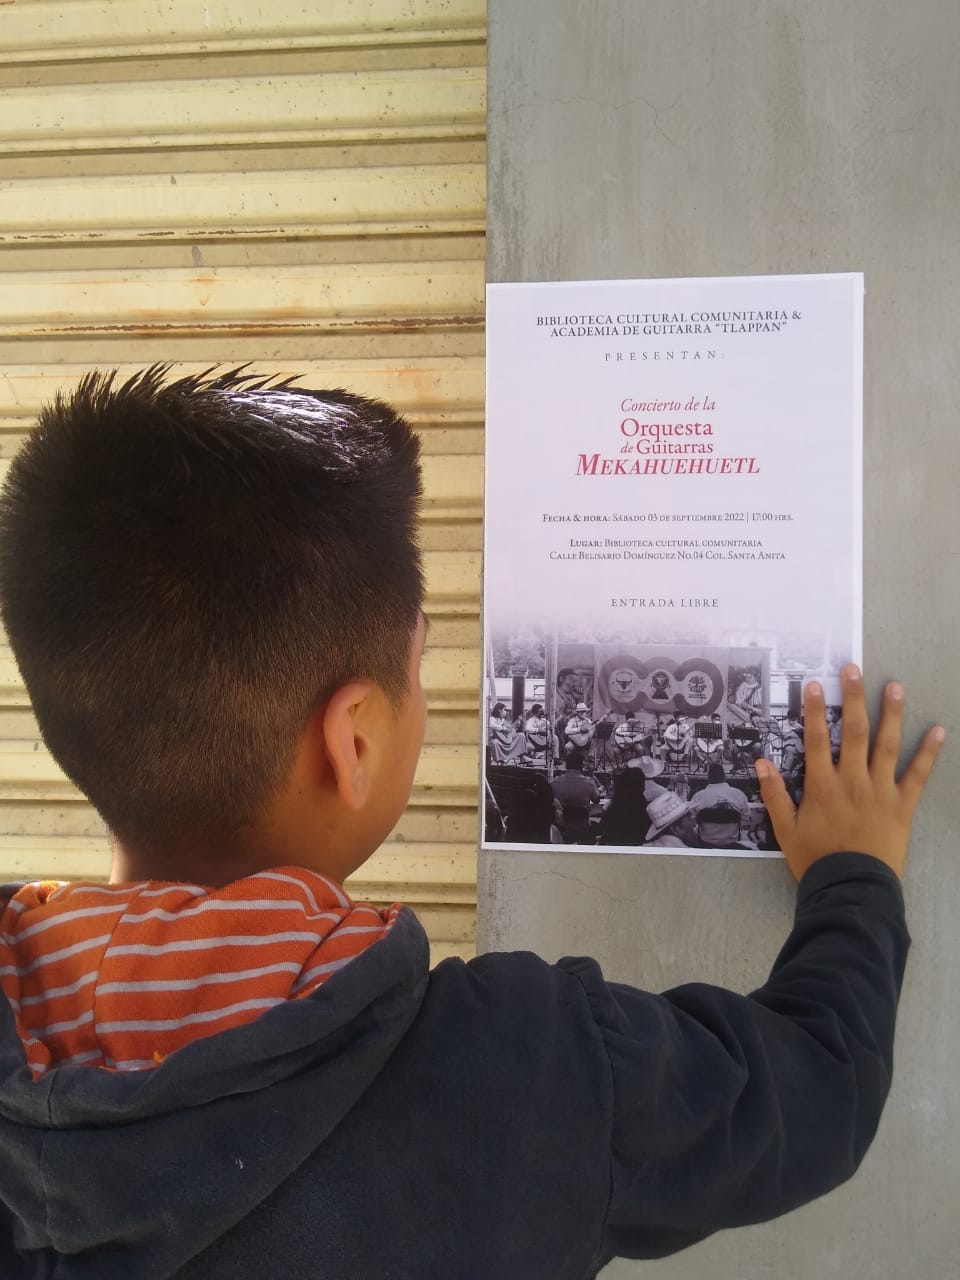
point(295, 185)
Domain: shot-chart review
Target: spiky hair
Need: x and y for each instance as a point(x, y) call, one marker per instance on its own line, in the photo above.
point(188, 568)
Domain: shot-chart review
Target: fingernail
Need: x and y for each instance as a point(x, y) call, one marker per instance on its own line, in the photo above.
point(764, 768)
point(815, 688)
point(852, 672)
point(895, 692)
point(939, 734)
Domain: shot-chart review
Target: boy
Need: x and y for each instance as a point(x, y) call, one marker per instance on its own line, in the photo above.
point(219, 1066)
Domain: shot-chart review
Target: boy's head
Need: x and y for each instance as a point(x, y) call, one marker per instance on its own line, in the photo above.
point(189, 570)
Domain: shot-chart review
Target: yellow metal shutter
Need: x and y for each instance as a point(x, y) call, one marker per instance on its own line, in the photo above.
point(295, 185)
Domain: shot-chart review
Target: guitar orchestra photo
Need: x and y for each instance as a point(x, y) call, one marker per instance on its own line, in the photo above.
point(643, 774)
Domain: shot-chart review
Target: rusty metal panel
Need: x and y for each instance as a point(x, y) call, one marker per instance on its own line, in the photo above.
point(317, 207)
point(35, 30)
point(336, 107)
point(395, 200)
point(377, 297)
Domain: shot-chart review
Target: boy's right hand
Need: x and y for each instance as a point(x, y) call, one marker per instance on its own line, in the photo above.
point(856, 805)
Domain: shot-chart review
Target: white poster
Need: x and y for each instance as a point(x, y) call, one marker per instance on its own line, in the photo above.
point(672, 549)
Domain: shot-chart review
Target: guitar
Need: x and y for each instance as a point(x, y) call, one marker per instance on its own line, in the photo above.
point(580, 730)
point(708, 740)
point(627, 735)
point(677, 737)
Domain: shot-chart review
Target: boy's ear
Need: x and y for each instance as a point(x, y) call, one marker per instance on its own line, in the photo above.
point(348, 728)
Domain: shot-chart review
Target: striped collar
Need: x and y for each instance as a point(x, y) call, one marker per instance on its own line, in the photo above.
point(121, 976)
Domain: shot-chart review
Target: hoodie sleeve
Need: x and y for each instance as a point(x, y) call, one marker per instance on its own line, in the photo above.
point(733, 1109)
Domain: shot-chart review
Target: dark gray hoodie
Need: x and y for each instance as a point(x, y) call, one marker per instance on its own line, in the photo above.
point(499, 1120)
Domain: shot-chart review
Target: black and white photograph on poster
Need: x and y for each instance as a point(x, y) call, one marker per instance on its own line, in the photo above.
point(692, 560)
point(643, 746)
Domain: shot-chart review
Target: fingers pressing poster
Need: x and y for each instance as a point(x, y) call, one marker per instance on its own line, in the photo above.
point(672, 549)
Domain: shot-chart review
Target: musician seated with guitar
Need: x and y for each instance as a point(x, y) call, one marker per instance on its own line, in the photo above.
point(747, 741)
point(633, 737)
point(708, 740)
point(506, 744)
point(538, 733)
point(677, 740)
point(579, 730)
point(792, 752)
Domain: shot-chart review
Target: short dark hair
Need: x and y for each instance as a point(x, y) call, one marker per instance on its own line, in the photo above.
point(576, 760)
point(188, 569)
point(715, 773)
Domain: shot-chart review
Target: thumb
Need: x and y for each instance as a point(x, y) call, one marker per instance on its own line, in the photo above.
point(776, 797)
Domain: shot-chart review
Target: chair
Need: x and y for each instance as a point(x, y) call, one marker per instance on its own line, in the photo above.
point(718, 827)
point(524, 801)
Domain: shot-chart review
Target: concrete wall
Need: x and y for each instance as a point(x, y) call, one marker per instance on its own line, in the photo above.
point(692, 137)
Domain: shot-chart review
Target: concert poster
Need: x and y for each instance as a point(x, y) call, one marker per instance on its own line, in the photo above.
point(672, 549)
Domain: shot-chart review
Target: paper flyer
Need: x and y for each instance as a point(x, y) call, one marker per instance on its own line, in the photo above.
point(672, 550)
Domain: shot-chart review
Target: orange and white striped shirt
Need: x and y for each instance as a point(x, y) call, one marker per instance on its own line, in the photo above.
point(120, 976)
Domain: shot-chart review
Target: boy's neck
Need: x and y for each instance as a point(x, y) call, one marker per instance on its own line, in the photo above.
point(267, 844)
point(210, 871)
